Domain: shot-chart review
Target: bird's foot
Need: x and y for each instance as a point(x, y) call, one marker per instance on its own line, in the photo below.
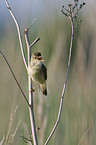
point(32, 90)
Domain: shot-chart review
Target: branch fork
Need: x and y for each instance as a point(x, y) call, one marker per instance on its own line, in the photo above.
point(72, 11)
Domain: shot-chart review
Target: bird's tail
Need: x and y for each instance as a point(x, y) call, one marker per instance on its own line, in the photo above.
point(43, 88)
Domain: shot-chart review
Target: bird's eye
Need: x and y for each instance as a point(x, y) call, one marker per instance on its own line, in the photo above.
point(35, 57)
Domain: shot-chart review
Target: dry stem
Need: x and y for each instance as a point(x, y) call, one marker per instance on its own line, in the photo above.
point(14, 77)
point(70, 13)
point(63, 92)
point(30, 103)
point(84, 135)
point(18, 30)
point(32, 119)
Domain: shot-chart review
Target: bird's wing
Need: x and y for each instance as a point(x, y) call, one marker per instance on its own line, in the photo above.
point(44, 71)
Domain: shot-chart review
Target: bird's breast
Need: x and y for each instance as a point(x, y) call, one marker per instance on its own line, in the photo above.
point(36, 74)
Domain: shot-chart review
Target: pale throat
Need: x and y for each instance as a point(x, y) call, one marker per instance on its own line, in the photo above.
point(36, 63)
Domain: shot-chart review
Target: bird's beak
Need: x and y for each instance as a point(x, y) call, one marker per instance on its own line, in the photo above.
point(41, 58)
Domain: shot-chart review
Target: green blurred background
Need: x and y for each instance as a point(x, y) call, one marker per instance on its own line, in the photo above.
point(79, 107)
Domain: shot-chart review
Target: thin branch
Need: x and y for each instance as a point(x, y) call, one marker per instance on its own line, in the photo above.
point(35, 41)
point(84, 135)
point(26, 140)
point(26, 36)
point(28, 45)
point(32, 119)
point(11, 138)
point(77, 24)
point(14, 77)
point(32, 23)
point(70, 14)
point(78, 9)
point(64, 88)
point(29, 56)
point(18, 30)
point(66, 14)
point(12, 115)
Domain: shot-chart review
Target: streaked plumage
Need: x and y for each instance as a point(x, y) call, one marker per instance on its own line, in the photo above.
point(38, 71)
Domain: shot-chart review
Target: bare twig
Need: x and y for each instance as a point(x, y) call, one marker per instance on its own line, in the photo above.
point(30, 103)
point(77, 24)
point(14, 77)
point(18, 30)
point(70, 14)
point(35, 41)
point(12, 115)
point(31, 23)
point(11, 138)
point(84, 135)
point(27, 39)
point(77, 10)
point(32, 119)
point(63, 92)
point(26, 140)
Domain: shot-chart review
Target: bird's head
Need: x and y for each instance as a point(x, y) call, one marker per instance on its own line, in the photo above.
point(36, 58)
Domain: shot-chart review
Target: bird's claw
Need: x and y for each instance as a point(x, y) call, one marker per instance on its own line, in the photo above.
point(32, 90)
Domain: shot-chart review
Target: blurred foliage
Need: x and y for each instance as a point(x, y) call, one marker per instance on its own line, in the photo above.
point(79, 108)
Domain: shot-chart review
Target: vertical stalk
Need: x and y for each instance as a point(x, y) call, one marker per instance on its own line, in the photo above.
point(19, 33)
point(64, 87)
point(32, 119)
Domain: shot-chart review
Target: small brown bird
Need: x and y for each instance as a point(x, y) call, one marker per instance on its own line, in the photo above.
point(38, 72)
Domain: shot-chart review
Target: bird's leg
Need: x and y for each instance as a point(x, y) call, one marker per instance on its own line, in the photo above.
point(32, 90)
